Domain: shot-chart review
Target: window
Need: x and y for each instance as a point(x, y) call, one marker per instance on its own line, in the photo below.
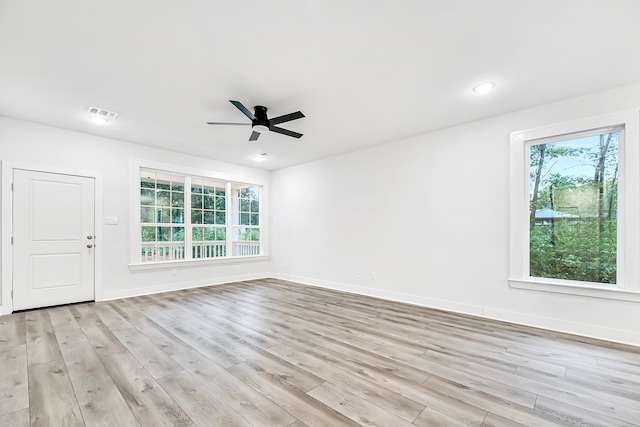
point(161, 216)
point(208, 219)
point(190, 217)
point(246, 220)
point(575, 205)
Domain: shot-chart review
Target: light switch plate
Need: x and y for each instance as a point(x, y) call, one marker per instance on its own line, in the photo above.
point(110, 220)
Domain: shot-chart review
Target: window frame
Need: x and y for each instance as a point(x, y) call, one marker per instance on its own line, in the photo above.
point(628, 279)
point(137, 165)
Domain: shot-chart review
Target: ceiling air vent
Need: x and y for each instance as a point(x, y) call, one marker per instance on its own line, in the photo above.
point(103, 113)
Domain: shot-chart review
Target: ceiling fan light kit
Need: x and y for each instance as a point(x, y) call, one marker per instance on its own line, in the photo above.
point(260, 123)
point(259, 128)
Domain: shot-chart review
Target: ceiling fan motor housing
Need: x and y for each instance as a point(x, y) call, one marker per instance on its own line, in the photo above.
point(261, 116)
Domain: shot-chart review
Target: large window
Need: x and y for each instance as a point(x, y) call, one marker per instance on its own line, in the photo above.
point(190, 217)
point(575, 207)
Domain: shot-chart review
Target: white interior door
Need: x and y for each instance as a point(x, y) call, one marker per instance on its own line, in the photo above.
point(53, 239)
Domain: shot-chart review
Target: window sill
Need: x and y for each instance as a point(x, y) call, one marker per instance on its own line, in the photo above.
point(139, 266)
point(570, 289)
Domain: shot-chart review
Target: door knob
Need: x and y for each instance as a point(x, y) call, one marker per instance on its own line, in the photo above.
point(89, 237)
point(89, 245)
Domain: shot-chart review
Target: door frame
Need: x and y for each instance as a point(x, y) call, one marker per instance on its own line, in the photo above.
point(6, 226)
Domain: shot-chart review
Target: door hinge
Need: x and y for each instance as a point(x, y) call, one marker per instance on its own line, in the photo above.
point(12, 240)
point(12, 186)
point(11, 293)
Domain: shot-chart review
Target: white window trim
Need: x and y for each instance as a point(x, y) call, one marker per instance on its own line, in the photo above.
point(158, 265)
point(628, 279)
point(135, 243)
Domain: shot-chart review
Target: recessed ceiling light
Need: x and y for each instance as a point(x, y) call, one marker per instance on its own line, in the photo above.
point(261, 157)
point(483, 88)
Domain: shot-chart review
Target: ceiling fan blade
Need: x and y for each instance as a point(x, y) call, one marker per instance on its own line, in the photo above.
point(285, 132)
point(254, 136)
point(286, 118)
point(225, 123)
point(244, 110)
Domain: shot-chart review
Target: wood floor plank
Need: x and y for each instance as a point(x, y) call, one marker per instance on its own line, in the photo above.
point(431, 418)
point(503, 407)
point(16, 419)
point(551, 355)
point(148, 401)
point(62, 319)
point(592, 398)
point(572, 415)
point(168, 342)
point(101, 403)
point(202, 406)
point(12, 330)
point(493, 420)
point(355, 408)
point(14, 383)
point(613, 384)
point(42, 345)
point(630, 368)
point(394, 403)
point(378, 362)
point(307, 409)
point(152, 358)
point(299, 378)
point(470, 379)
point(198, 323)
point(98, 334)
point(79, 356)
point(52, 401)
point(254, 406)
point(245, 330)
point(192, 337)
point(111, 318)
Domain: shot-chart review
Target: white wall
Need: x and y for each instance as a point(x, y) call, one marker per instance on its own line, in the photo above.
point(429, 216)
point(45, 146)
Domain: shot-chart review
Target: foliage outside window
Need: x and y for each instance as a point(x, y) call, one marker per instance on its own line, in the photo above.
point(189, 217)
point(573, 208)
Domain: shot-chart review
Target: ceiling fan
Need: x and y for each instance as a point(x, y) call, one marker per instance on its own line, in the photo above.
point(260, 123)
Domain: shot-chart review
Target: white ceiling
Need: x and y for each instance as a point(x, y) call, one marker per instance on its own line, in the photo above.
point(364, 72)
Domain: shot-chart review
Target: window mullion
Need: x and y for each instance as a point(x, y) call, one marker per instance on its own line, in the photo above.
point(261, 249)
point(188, 235)
point(228, 229)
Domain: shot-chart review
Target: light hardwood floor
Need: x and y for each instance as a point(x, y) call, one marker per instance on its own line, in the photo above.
point(273, 353)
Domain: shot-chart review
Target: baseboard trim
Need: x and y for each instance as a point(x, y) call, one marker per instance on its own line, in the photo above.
point(621, 336)
point(168, 287)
